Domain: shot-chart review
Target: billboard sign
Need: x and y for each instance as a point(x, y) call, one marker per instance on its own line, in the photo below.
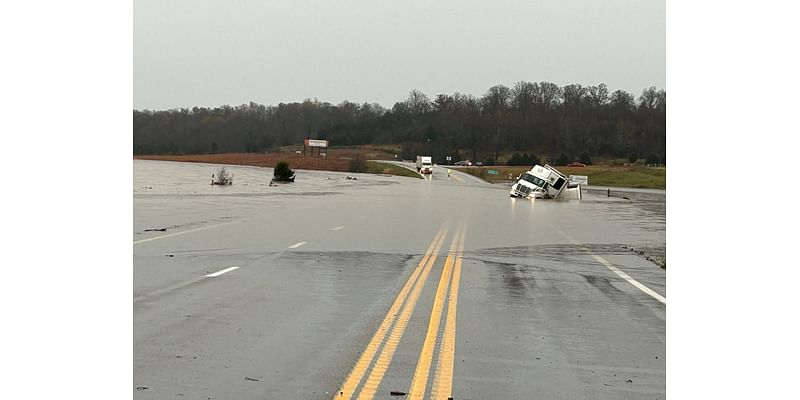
point(316, 143)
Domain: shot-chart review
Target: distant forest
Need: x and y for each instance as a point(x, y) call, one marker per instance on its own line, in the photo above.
point(542, 119)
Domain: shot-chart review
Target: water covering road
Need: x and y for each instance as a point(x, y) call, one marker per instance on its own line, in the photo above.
point(339, 288)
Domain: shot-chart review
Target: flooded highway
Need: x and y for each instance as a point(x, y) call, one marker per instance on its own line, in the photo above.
point(391, 287)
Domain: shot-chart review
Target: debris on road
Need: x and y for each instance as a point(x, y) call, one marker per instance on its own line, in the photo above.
point(247, 378)
point(396, 393)
point(142, 388)
point(654, 255)
point(156, 230)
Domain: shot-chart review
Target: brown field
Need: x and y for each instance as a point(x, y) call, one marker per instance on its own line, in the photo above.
point(337, 159)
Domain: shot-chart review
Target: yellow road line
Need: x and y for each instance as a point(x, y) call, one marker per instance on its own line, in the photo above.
point(420, 380)
point(382, 364)
point(351, 383)
point(443, 380)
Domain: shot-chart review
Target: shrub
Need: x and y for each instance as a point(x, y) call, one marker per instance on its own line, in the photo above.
point(652, 159)
point(357, 164)
point(632, 158)
point(586, 159)
point(222, 177)
point(282, 171)
point(562, 160)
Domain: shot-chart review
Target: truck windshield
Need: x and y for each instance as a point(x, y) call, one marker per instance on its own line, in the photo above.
point(534, 180)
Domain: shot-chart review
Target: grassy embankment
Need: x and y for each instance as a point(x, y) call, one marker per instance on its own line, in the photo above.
point(374, 167)
point(635, 176)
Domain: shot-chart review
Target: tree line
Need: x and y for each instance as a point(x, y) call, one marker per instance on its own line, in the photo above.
point(529, 118)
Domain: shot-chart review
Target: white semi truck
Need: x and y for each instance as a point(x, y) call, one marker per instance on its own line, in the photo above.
point(543, 183)
point(424, 165)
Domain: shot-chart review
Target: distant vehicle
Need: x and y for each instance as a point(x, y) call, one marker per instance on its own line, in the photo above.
point(465, 163)
point(540, 183)
point(479, 163)
point(424, 165)
point(576, 164)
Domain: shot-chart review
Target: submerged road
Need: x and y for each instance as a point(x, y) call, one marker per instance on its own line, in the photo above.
point(382, 287)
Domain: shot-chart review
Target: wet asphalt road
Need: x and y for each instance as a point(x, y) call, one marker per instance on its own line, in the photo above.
point(257, 292)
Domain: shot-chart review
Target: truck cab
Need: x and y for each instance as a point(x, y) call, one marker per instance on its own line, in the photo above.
point(541, 182)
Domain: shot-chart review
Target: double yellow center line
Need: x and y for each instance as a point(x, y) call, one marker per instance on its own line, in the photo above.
point(443, 380)
point(396, 320)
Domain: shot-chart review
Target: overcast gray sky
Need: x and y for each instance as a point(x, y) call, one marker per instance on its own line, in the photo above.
point(215, 52)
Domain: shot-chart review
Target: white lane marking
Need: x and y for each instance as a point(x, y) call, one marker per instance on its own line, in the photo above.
point(218, 273)
point(296, 245)
point(619, 272)
point(338, 228)
point(630, 280)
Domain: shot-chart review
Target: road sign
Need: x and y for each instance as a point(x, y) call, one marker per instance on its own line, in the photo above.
point(492, 172)
point(582, 179)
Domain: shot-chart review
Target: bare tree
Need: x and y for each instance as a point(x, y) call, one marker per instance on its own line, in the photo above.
point(649, 98)
point(418, 102)
point(598, 95)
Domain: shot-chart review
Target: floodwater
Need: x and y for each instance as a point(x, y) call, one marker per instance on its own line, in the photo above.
point(313, 266)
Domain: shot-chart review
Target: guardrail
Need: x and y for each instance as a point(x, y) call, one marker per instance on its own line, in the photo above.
point(617, 194)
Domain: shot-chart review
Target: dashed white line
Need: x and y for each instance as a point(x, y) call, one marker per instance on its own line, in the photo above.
point(218, 273)
point(338, 228)
point(296, 245)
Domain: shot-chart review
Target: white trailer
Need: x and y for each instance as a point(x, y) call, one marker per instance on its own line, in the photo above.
point(424, 165)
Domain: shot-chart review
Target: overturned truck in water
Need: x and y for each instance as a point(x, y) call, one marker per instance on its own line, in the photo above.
point(545, 182)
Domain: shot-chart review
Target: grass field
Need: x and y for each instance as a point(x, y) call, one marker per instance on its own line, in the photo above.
point(337, 159)
point(599, 175)
point(374, 167)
